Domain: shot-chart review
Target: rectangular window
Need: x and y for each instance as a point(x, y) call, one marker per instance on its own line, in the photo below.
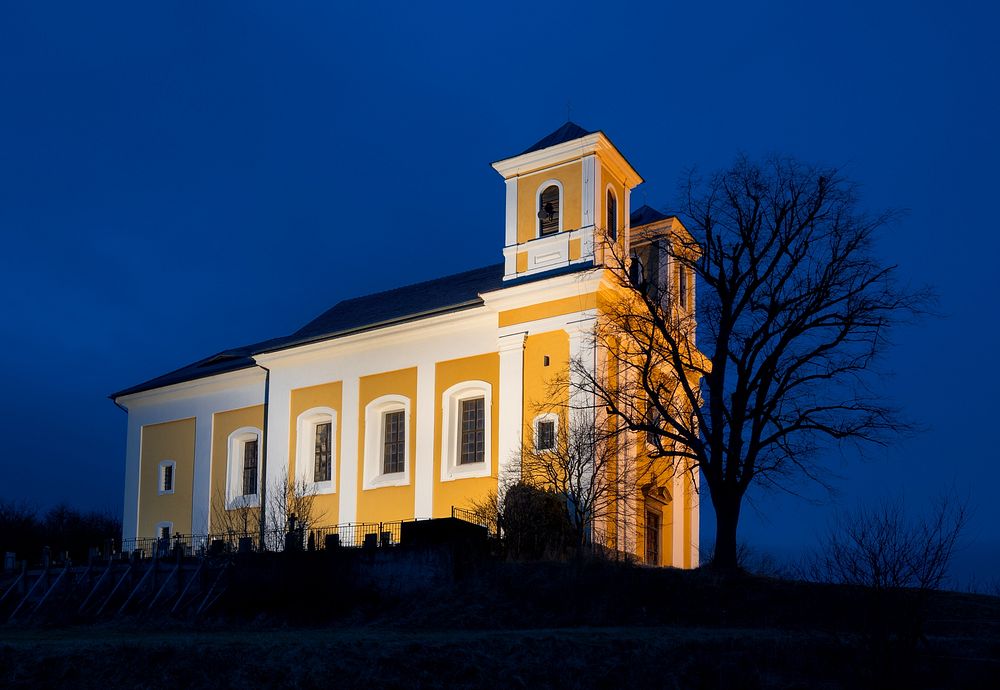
point(168, 477)
point(164, 532)
point(250, 468)
point(322, 465)
point(393, 442)
point(546, 434)
point(472, 444)
point(652, 538)
point(612, 215)
point(682, 289)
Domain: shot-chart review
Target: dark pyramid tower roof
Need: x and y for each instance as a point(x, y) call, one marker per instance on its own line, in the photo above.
point(568, 132)
point(644, 215)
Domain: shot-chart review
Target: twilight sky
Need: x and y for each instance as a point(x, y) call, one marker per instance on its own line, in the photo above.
point(177, 178)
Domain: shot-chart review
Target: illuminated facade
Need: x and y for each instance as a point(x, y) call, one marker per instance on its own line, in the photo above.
point(405, 403)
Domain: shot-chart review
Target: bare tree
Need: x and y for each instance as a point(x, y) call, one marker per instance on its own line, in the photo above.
point(583, 464)
point(794, 309)
point(882, 548)
point(293, 505)
point(898, 560)
point(233, 522)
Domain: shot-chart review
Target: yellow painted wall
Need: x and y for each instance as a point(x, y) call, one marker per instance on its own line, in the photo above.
point(463, 492)
point(571, 178)
point(542, 384)
point(544, 310)
point(388, 502)
point(609, 178)
point(326, 507)
point(689, 500)
point(522, 262)
point(166, 441)
point(223, 424)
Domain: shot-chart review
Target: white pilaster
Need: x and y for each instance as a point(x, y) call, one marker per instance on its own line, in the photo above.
point(510, 230)
point(350, 428)
point(510, 219)
point(582, 353)
point(695, 509)
point(278, 410)
point(133, 445)
point(511, 348)
point(202, 488)
point(589, 190)
point(423, 475)
point(679, 505)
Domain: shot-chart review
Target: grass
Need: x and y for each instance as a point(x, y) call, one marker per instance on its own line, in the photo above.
point(546, 625)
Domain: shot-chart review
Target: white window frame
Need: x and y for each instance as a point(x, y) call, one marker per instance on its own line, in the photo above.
point(160, 525)
point(305, 452)
point(234, 467)
point(451, 431)
point(562, 207)
point(160, 491)
point(375, 411)
point(547, 417)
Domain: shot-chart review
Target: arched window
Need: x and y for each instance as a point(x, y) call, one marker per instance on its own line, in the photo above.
point(387, 442)
point(243, 476)
point(548, 210)
point(316, 455)
point(612, 208)
point(467, 413)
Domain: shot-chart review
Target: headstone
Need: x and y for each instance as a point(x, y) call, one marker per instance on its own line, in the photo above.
point(9, 561)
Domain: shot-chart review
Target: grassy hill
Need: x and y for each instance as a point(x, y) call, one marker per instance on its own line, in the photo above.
point(541, 625)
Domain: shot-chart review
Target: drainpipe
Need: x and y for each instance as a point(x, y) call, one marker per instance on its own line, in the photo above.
point(263, 456)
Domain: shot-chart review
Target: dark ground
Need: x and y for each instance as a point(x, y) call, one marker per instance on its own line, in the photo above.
point(526, 626)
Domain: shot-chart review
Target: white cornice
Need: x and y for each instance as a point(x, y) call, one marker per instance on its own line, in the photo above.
point(561, 153)
point(196, 387)
point(429, 326)
point(545, 290)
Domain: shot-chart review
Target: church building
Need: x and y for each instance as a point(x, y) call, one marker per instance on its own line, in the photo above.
point(408, 403)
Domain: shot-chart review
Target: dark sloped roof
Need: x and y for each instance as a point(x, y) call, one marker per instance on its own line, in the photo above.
point(420, 300)
point(644, 215)
point(568, 132)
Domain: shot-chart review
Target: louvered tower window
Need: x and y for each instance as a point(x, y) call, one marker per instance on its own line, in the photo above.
point(548, 211)
point(612, 207)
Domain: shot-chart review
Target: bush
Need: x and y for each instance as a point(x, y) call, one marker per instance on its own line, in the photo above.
point(535, 523)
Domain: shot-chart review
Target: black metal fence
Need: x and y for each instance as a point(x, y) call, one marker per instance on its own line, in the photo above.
point(351, 535)
point(347, 535)
point(476, 517)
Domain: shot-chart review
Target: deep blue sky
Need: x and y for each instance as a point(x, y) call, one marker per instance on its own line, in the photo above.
point(177, 178)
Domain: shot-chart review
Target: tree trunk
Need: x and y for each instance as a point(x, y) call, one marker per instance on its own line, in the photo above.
point(727, 516)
